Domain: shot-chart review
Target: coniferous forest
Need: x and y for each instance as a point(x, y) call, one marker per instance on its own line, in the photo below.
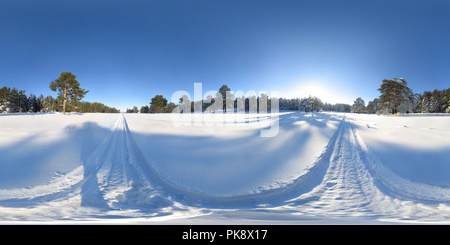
point(68, 99)
point(13, 100)
point(395, 97)
point(159, 104)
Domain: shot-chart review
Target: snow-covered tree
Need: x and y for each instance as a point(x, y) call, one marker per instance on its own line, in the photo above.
point(436, 101)
point(263, 103)
point(426, 102)
point(396, 96)
point(4, 100)
point(49, 104)
point(417, 103)
point(34, 104)
point(315, 103)
point(359, 105)
point(372, 106)
point(304, 104)
point(240, 103)
point(18, 101)
point(310, 104)
point(224, 90)
point(446, 101)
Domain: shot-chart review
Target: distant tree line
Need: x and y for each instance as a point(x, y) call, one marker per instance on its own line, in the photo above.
point(158, 104)
point(437, 101)
point(238, 103)
point(396, 97)
point(94, 107)
point(13, 100)
point(69, 99)
point(310, 104)
point(227, 101)
point(339, 107)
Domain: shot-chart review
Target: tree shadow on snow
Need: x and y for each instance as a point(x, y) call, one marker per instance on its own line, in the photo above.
point(27, 163)
point(236, 161)
point(33, 162)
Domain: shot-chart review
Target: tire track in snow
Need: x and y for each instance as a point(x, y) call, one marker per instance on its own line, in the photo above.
point(118, 166)
point(346, 186)
point(357, 184)
point(346, 180)
point(117, 176)
point(111, 177)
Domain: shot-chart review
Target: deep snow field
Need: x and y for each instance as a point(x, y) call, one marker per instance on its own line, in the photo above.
point(326, 168)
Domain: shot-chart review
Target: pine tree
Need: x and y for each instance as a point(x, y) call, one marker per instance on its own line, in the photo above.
point(4, 94)
point(417, 103)
point(18, 100)
point(50, 104)
point(41, 103)
point(224, 91)
point(145, 109)
point(446, 100)
point(68, 89)
point(310, 104)
point(303, 105)
point(240, 104)
point(184, 105)
point(371, 107)
point(158, 104)
point(34, 104)
point(5, 104)
point(315, 103)
point(426, 102)
point(170, 107)
point(358, 105)
point(396, 96)
point(436, 101)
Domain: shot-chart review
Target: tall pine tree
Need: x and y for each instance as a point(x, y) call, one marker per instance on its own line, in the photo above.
point(395, 96)
point(68, 89)
point(158, 104)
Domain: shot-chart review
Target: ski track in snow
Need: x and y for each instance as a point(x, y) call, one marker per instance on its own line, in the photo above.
point(356, 184)
point(347, 181)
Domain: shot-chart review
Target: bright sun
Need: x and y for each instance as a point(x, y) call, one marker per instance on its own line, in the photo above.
point(325, 93)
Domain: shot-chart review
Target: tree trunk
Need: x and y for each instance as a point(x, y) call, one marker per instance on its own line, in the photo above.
point(64, 103)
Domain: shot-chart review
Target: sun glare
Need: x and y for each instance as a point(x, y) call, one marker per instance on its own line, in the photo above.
point(318, 89)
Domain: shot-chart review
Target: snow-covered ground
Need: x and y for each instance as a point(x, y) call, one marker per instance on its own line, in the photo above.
point(330, 168)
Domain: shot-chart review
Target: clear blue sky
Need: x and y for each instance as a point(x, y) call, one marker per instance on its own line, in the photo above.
point(126, 52)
